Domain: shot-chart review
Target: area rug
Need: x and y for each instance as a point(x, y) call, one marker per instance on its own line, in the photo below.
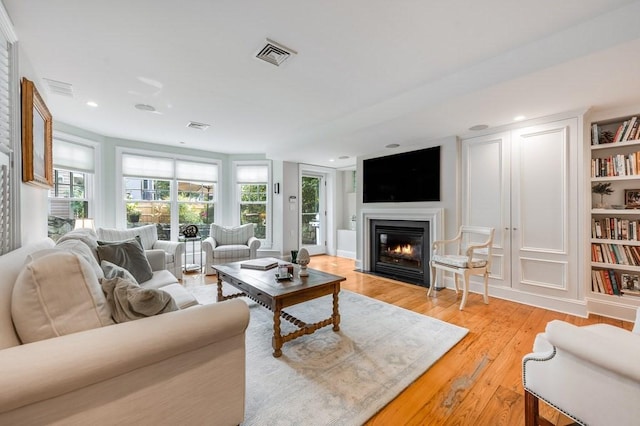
point(337, 378)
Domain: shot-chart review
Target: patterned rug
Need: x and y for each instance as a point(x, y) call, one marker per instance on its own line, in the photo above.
point(342, 378)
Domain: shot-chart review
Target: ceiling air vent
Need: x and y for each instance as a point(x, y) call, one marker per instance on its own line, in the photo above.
point(59, 87)
point(198, 126)
point(275, 53)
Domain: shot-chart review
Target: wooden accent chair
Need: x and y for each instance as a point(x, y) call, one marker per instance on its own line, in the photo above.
point(470, 242)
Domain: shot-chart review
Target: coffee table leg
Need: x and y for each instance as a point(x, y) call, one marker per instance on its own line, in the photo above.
point(277, 336)
point(220, 297)
point(336, 313)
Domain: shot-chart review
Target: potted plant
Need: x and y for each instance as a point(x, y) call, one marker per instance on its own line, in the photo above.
point(133, 214)
point(602, 188)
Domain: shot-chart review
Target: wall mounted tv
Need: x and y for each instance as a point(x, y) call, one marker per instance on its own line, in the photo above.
point(400, 178)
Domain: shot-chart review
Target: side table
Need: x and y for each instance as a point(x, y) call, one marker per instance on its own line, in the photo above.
point(193, 266)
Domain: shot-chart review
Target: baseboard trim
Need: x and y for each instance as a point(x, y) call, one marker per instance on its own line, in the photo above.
point(346, 254)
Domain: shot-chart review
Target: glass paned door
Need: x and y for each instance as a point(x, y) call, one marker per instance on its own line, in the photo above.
point(312, 220)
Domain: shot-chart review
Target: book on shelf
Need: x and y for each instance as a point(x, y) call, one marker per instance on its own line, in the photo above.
point(614, 282)
point(261, 264)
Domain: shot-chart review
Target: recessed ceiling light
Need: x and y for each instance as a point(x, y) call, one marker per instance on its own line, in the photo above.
point(519, 118)
point(145, 107)
point(343, 157)
point(479, 127)
point(392, 145)
point(92, 104)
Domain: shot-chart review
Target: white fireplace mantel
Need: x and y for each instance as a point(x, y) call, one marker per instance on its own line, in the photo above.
point(435, 217)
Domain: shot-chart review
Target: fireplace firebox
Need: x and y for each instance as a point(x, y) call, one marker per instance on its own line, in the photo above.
point(400, 250)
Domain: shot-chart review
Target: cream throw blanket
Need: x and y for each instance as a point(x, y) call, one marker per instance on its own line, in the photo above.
point(129, 301)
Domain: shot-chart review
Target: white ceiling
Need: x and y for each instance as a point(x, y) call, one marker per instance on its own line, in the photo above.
point(367, 73)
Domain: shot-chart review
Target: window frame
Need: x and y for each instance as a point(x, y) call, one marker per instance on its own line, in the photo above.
point(121, 220)
point(92, 190)
point(267, 242)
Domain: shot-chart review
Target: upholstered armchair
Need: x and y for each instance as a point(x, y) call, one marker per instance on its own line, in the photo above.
point(149, 237)
point(589, 373)
point(228, 244)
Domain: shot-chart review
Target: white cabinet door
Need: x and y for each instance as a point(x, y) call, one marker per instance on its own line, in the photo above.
point(486, 196)
point(544, 192)
point(523, 184)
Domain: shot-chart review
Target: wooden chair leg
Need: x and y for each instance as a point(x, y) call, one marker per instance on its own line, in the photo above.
point(455, 283)
point(532, 412)
point(486, 288)
point(432, 280)
point(465, 290)
point(530, 409)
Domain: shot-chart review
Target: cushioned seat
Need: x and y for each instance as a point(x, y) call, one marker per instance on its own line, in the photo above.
point(458, 261)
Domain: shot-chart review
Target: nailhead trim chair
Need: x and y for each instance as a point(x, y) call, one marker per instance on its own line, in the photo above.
point(588, 373)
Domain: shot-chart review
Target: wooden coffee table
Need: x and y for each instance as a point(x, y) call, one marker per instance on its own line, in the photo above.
point(263, 288)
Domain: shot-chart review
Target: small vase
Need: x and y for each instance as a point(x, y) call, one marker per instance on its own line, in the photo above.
point(294, 256)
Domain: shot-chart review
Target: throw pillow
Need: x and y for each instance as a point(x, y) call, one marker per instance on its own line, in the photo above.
point(55, 295)
point(86, 235)
point(129, 255)
point(129, 301)
point(111, 270)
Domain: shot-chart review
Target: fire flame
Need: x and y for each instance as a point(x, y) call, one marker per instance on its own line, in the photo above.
point(405, 249)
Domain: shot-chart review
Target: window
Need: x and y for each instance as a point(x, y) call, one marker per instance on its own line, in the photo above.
point(71, 195)
point(170, 193)
point(252, 183)
point(9, 143)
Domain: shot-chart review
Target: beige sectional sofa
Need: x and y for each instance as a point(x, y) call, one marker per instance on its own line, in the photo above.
point(183, 367)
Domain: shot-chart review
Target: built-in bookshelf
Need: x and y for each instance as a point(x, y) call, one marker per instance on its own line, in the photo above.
point(615, 216)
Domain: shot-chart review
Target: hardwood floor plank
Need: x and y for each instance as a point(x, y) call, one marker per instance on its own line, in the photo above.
point(478, 382)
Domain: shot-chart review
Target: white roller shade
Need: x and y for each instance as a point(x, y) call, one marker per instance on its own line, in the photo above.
point(252, 174)
point(150, 167)
point(196, 172)
point(73, 156)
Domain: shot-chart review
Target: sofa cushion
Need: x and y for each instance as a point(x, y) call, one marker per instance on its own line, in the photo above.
point(129, 301)
point(128, 254)
point(55, 295)
point(148, 235)
point(86, 235)
point(160, 279)
point(231, 251)
point(73, 246)
point(183, 298)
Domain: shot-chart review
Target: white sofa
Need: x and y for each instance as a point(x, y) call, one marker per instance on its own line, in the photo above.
point(174, 251)
point(183, 367)
point(229, 244)
point(591, 374)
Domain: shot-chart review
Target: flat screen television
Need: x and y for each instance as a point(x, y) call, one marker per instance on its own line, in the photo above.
point(400, 178)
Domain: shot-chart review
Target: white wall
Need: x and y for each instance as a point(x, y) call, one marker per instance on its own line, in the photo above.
point(33, 199)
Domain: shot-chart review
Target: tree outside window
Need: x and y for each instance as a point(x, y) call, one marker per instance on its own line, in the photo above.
point(253, 207)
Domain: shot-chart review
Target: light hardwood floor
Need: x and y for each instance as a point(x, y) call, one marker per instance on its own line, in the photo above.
point(478, 382)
